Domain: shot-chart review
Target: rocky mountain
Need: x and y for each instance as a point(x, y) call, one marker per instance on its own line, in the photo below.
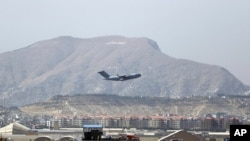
point(67, 66)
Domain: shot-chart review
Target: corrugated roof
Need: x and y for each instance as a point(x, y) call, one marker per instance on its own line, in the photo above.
point(14, 128)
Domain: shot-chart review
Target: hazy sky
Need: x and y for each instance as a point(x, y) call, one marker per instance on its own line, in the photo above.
point(208, 31)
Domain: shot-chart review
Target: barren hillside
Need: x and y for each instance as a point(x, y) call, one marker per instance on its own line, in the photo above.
point(137, 106)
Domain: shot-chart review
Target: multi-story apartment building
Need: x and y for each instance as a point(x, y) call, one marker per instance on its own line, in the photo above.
point(124, 122)
point(209, 123)
point(174, 122)
point(232, 121)
point(157, 122)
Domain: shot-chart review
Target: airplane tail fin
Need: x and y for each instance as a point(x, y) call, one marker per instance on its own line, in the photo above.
point(104, 74)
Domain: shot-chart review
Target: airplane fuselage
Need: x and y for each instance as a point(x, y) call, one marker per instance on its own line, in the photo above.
point(119, 77)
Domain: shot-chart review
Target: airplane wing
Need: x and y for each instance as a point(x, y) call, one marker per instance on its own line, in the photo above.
point(121, 77)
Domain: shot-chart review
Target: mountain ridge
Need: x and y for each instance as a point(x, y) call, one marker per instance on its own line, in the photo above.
point(68, 65)
point(118, 106)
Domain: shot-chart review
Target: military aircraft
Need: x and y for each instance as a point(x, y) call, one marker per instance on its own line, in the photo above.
point(119, 77)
